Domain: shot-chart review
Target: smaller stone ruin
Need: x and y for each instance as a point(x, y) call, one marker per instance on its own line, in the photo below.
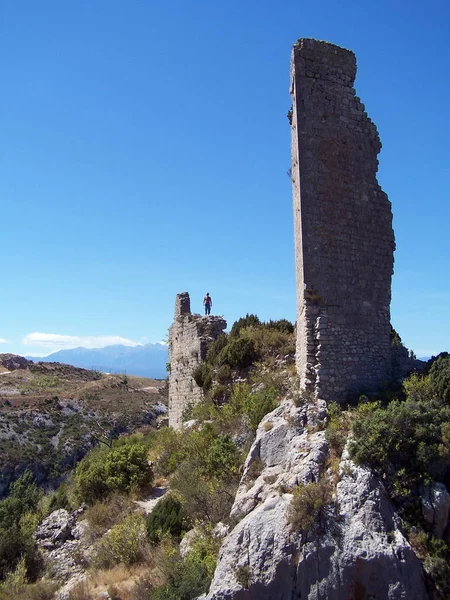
point(189, 338)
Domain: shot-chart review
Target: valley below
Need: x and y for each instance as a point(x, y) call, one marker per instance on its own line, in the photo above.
point(51, 414)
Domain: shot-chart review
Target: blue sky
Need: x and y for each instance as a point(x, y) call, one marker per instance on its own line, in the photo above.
point(143, 152)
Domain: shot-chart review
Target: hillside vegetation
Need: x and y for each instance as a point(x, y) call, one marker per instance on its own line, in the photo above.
point(51, 414)
point(403, 437)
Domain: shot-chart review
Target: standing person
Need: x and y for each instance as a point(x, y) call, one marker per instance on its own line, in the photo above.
point(207, 301)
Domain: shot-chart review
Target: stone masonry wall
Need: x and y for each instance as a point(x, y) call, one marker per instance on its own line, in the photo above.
point(344, 240)
point(189, 338)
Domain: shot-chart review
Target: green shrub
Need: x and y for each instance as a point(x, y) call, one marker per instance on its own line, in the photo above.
point(239, 353)
point(435, 555)
point(17, 523)
point(103, 515)
point(165, 450)
point(123, 544)
point(204, 549)
point(282, 325)
point(127, 468)
point(224, 374)
point(404, 443)
point(184, 579)
point(223, 458)
point(58, 500)
point(269, 341)
point(167, 517)
point(418, 387)
point(202, 375)
point(243, 323)
point(207, 499)
point(41, 590)
point(220, 394)
point(308, 500)
point(216, 347)
point(440, 377)
point(90, 477)
point(337, 429)
point(15, 580)
point(257, 405)
point(123, 468)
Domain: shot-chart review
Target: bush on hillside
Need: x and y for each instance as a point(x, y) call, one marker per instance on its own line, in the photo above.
point(337, 429)
point(103, 515)
point(404, 443)
point(269, 341)
point(202, 375)
point(17, 525)
point(123, 468)
point(224, 374)
point(220, 393)
point(205, 498)
point(243, 323)
point(184, 579)
point(282, 325)
point(440, 377)
point(257, 404)
point(239, 353)
point(125, 543)
point(167, 517)
point(308, 501)
point(216, 347)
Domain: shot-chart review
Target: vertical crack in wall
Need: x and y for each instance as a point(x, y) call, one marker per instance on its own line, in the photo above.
point(344, 241)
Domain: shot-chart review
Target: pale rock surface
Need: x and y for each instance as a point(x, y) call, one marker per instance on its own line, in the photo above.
point(62, 540)
point(436, 507)
point(356, 550)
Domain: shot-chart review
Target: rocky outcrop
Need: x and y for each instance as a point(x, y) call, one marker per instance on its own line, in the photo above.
point(436, 507)
point(63, 543)
point(356, 548)
point(13, 362)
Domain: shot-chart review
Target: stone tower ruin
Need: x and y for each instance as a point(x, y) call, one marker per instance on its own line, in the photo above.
point(344, 241)
point(189, 338)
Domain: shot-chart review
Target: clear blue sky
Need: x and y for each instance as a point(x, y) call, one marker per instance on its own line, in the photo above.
point(144, 147)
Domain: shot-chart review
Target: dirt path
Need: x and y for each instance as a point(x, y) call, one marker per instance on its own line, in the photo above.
point(149, 504)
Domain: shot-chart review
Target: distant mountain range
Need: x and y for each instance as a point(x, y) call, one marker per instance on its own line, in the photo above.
point(147, 361)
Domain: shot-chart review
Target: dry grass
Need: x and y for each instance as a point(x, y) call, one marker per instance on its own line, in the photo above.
point(307, 503)
point(120, 578)
point(101, 516)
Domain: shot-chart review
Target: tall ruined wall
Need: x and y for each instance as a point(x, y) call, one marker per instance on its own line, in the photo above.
point(189, 338)
point(344, 240)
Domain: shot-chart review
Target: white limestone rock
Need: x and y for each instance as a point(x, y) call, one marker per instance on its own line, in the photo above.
point(436, 507)
point(356, 550)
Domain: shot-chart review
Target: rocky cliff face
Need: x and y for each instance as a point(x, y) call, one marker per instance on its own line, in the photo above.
point(355, 548)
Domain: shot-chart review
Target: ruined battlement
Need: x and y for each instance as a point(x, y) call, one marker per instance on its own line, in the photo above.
point(344, 241)
point(189, 338)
